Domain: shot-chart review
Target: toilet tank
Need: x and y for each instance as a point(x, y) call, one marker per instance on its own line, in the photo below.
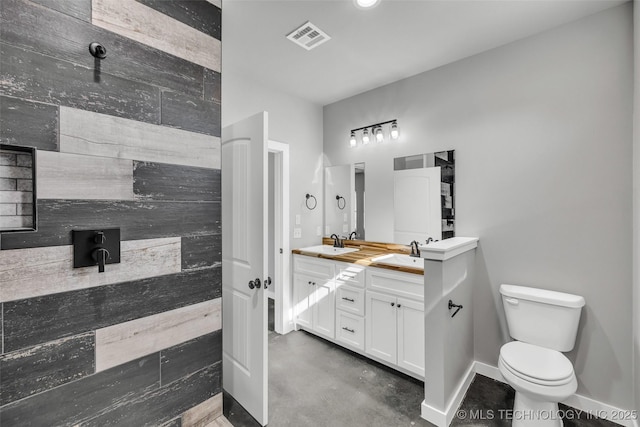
point(541, 317)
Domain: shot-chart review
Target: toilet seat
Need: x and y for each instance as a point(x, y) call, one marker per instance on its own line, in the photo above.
point(537, 365)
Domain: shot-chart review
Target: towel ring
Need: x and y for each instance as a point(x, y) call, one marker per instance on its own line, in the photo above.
point(344, 202)
point(315, 202)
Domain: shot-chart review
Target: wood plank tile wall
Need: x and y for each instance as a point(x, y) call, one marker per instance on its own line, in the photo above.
point(132, 141)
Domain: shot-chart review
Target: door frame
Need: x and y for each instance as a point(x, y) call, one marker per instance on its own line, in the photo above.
point(282, 264)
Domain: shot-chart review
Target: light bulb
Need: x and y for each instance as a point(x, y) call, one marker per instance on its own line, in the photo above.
point(352, 140)
point(365, 136)
point(366, 3)
point(379, 135)
point(395, 132)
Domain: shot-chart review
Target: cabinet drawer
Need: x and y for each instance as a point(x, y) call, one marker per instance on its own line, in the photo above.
point(398, 283)
point(350, 299)
point(315, 266)
point(350, 274)
point(350, 329)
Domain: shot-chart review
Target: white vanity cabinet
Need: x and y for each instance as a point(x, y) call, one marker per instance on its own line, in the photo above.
point(314, 295)
point(373, 311)
point(395, 323)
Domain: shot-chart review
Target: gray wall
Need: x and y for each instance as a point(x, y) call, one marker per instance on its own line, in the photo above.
point(295, 122)
point(543, 136)
point(636, 198)
point(129, 142)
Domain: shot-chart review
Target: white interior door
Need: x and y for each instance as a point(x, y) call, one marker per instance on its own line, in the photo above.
point(417, 207)
point(244, 263)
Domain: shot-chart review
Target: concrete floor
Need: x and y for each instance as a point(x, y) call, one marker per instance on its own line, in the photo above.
point(315, 383)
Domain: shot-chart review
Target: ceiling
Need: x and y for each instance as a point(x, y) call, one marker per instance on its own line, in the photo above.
point(370, 48)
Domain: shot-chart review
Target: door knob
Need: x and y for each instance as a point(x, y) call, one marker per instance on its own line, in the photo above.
point(254, 283)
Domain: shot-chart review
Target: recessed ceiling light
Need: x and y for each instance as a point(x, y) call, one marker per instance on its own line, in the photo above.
point(366, 4)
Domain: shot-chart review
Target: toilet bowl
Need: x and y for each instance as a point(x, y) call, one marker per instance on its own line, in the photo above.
point(544, 323)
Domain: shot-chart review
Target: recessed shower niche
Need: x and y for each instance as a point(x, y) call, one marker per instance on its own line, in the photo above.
point(17, 188)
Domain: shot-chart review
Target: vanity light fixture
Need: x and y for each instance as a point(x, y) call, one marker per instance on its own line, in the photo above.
point(379, 135)
point(365, 136)
point(395, 132)
point(375, 130)
point(352, 140)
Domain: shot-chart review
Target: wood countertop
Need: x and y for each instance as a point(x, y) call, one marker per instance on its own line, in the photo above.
point(366, 252)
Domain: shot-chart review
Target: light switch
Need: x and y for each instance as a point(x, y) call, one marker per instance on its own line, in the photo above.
point(297, 219)
point(318, 231)
point(346, 218)
point(327, 231)
point(297, 233)
point(345, 228)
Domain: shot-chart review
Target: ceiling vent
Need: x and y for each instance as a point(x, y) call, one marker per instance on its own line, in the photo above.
point(308, 36)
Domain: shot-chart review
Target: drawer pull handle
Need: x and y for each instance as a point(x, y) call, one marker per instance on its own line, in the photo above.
point(353, 331)
point(392, 304)
point(348, 299)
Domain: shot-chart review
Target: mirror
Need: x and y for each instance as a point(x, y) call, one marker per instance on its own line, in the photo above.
point(339, 195)
point(17, 188)
point(400, 199)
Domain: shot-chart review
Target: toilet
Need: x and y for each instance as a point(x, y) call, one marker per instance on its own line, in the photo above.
point(544, 324)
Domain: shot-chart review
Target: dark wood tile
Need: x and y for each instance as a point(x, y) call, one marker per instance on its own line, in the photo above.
point(188, 113)
point(154, 407)
point(40, 368)
point(37, 320)
point(162, 181)
point(212, 86)
point(198, 14)
point(78, 401)
point(176, 422)
point(201, 251)
point(80, 9)
point(29, 75)
point(48, 32)
point(236, 414)
point(137, 220)
point(42, 119)
point(184, 359)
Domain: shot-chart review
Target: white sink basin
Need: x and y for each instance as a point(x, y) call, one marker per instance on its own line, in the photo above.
point(400, 260)
point(328, 250)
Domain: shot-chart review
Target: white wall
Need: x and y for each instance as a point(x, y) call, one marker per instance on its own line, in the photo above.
point(636, 205)
point(542, 130)
point(295, 122)
point(338, 180)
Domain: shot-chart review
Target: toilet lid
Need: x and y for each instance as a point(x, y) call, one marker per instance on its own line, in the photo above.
point(536, 362)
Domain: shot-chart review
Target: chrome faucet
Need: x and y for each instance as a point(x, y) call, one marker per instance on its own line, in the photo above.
point(353, 235)
point(337, 243)
point(415, 251)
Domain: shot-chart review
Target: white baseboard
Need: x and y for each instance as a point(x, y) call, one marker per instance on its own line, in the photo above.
point(443, 419)
point(576, 401)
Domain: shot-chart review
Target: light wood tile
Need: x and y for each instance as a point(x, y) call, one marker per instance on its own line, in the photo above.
point(221, 421)
point(203, 414)
point(73, 176)
point(148, 26)
point(131, 139)
point(127, 341)
point(27, 273)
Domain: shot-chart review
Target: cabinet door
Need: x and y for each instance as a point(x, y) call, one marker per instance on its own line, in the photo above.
point(411, 335)
point(381, 330)
point(303, 304)
point(324, 308)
